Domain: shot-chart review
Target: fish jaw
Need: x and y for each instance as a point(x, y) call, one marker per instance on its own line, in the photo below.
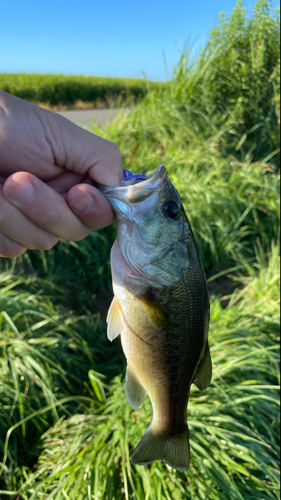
point(152, 246)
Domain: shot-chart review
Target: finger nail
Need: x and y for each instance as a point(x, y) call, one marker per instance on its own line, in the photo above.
point(83, 202)
point(20, 192)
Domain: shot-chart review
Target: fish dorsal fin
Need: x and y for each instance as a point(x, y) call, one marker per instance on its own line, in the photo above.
point(204, 374)
point(153, 309)
point(134, 391)
point(114, 320)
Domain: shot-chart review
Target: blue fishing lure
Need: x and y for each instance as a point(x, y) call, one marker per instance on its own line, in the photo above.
point(130, 176)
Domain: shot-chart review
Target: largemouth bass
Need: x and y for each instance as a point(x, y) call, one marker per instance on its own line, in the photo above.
point(160, 309)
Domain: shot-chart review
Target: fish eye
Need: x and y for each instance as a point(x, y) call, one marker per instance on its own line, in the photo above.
point(171, 209)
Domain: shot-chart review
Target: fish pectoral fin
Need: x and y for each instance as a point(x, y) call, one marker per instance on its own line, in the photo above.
point(134, 391)
point(204, 374)
point(153, 309)
point(114, 320)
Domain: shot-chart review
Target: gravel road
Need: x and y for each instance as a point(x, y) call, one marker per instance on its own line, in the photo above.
point(85, 116)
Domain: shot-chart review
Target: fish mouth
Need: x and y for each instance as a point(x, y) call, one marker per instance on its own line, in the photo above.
point(135, 188)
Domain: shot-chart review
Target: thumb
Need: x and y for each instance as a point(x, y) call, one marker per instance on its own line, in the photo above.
point(87, 153)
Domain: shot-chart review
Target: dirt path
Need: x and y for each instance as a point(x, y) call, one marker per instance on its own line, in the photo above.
point(85, 116)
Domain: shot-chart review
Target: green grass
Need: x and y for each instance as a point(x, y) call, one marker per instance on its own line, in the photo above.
point(233, 426)
point(230, 92)
point(66, 89)
point(232, 204)
point(66, 429)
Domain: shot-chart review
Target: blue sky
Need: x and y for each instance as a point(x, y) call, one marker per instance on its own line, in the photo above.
point(107, 38)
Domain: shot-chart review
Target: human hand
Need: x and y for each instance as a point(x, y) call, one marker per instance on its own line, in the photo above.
point(46, 167)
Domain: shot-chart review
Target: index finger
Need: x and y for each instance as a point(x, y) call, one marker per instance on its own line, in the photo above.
point(43, 206)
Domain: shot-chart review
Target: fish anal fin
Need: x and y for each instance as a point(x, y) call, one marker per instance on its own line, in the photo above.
point(153, 309)
point(173, 450)
point(114, 320)
point(134, 391)
point(204, 374)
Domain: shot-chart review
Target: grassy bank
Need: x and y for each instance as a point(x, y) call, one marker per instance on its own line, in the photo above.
point(66, 429)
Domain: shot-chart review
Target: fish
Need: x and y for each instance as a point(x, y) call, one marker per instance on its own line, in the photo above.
point(160, 308)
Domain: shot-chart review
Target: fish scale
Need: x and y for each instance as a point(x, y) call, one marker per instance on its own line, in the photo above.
point(186, 330)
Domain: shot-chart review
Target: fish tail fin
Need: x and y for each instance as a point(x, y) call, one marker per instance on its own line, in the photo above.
point(173, 450)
